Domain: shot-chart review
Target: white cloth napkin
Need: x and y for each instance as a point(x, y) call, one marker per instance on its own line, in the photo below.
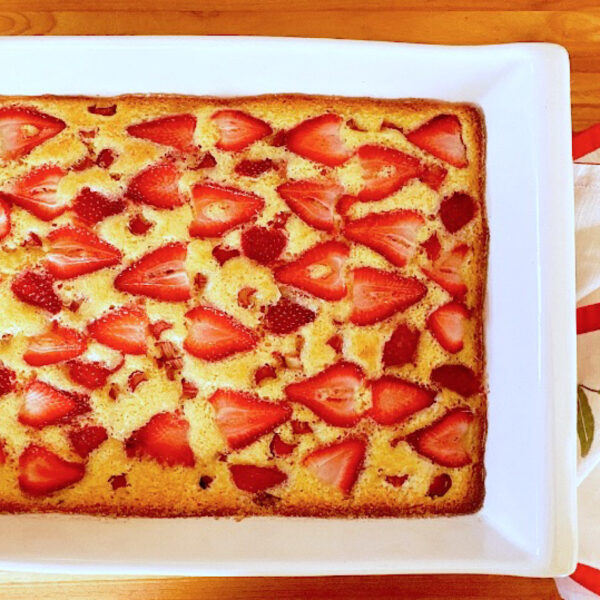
point(584, 584)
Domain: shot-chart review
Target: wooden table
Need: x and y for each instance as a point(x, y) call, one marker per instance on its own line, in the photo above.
point(572, 23)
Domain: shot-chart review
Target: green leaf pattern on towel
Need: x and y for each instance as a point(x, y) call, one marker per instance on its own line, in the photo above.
point(585, 420)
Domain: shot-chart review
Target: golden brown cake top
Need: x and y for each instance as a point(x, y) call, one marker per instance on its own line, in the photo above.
point(241, 306)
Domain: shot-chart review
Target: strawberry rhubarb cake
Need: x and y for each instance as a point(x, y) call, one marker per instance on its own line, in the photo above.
point(265, 305)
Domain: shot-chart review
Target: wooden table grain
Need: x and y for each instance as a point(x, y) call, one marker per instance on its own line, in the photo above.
point(573, 23)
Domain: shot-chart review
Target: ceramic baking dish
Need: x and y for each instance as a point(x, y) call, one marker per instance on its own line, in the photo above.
point(528, 523)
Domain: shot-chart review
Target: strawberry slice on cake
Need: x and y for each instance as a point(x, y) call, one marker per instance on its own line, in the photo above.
point(176, 131)
point(74, 251)
point(313, 201)
point(385, 170)
point(377, 295)
point(391, 234)
point(242, 417)
point(238, 129)
point(165, 439)
point(45, 405)
point(331, 394)
point(319, 139)
point(318, 271)
point(442, 137)
point(446, 271)
point(253, 479)
point(160, 275)
point(157, 186)
point(395, 400)
point(286, 316)
point(217, 209)
point(7, 380)
point(55, 345)
point(446, 441)
point(401, 348)
point(5, 223)
point(86, 439)
point(458, 378)
point(42, 472)
point(22, 129)
point(36, 287)
point(124, 329)
point(448, 323)
point(338, 464)
point(37, 192)
point(213, 335)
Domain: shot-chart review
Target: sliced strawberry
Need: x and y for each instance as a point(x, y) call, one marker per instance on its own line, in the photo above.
point(441, 136)
point(331, 394)
point(394, 400)
point(280, 448)
point(300, 427)
point(208, 161)
point(218, 209)
point(36, 288)
point(385, 171)
point(336, 342)
point(22, 129)
point(254, 168)
point(157, 185)
point(160, 274)
point(222, 255)
point(396, 480)
point(124, 329)
point(445, 442)
point(446, 271)
point(3, 453)
point(53, 346)
point(264, 372)
point(392, 234)
point(75, 251)
point(319, 139)
point(242, 418)
point(7, 379)
point(313, 201)
point(37, 192)
point(377, 294)
point(458, 378)
point(439, 486)
point(92, 207)
point(214, 335)
point(251, 478)
point(238, 129)
point(345, 203)
point(339, 464)
point(87, 439)
point(92, 375)
point(287, 316)
point(447, 324)
point(139, 225)
point(262, 244)
point(456, 211)
point(165, 439)
point(401, 348)
point(42, 472)
point(432, 247)
point(106, 158)
point(46, 405)
point(433, 176)
point(4, 219)
point(318, 271)
point(176, 131)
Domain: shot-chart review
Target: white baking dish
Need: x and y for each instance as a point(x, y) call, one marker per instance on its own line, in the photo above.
point(528, 523)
